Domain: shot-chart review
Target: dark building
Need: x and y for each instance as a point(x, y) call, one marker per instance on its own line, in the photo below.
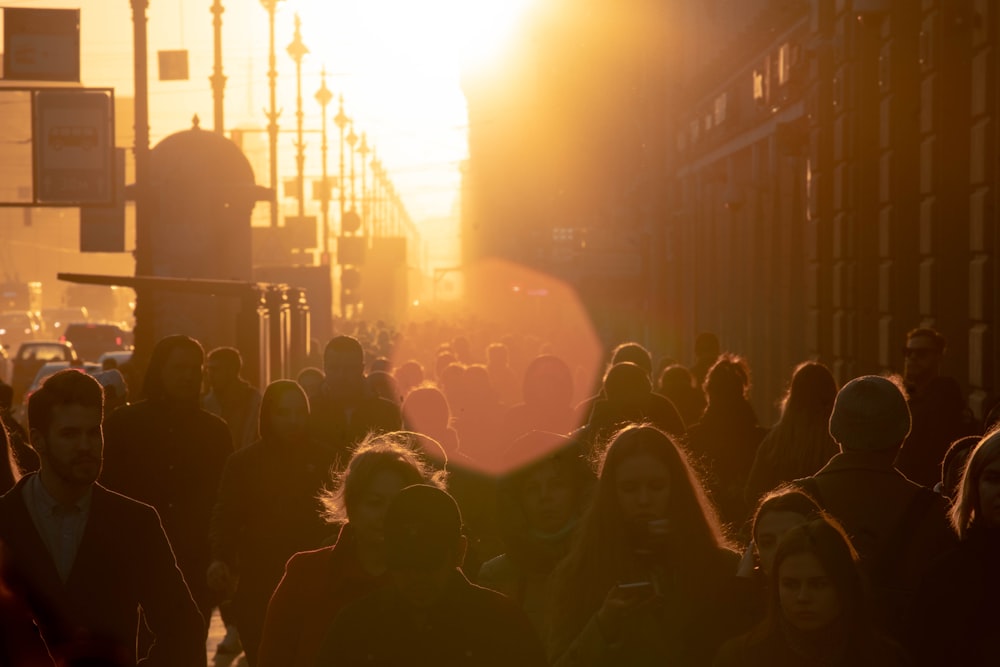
point(808, 179)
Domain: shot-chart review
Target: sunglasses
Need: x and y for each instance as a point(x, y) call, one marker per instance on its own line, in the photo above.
point(917, 352)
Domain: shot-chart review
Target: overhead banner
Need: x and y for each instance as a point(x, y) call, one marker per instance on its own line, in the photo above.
point(41, 44)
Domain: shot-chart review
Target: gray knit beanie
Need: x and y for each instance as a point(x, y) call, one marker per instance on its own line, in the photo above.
point(870, 414)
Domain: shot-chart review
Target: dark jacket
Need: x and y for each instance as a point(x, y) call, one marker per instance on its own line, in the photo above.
point(786, 648)
point(469, 626)
point(340, 424)
point(898, 528)
point(124, 562)
point(939, 418)
point(955, 616)
point(171, 458)
point(266, 512)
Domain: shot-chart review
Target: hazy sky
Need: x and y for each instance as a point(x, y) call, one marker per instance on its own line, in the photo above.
point(396, 62)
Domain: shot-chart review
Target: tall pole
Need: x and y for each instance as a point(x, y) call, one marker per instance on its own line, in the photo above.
point(363, 151)
point(272, 115)
point(341, 121)
point(144, 334)
point(218, 79)
point(324, 97)
point(352, 139)
point(297, 50)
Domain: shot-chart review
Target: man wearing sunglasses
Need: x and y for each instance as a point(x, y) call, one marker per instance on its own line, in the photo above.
point(937, 405)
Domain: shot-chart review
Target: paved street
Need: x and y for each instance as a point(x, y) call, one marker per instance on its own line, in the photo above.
point(216, 632)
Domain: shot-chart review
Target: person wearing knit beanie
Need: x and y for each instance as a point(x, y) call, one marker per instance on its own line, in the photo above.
point(870, 414)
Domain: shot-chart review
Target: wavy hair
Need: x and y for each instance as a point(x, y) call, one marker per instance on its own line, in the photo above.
point(965, 511)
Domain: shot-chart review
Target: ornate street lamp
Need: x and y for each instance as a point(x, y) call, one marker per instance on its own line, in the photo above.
point(218, 79)
point(352, 139)
point(363, 151)
point(297, 50)
point(341, 121)
point(272, 115)
point(324, 97)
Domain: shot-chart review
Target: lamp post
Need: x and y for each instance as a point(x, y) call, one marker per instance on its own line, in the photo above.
point(218, 79)
point(341, 120)
point(144, 335)
point(352, 139)
point(297, 50)
point(376, 198)
point(363, 151)
point(324, 97)
point(272, 115)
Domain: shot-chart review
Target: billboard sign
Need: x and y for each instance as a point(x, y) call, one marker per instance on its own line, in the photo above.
point(41, 44)
point(74, 147)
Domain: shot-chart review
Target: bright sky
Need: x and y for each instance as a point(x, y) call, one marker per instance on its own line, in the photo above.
point(396, 62)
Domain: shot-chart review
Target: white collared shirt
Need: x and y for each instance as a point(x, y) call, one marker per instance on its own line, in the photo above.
point(60, 526)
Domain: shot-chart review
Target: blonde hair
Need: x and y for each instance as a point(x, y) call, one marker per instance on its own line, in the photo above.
point(963, 512)
point(396, 452)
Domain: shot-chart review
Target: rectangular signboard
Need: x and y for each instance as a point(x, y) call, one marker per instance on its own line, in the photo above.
point(102, 228)
point(73, 146)
point(41, 44)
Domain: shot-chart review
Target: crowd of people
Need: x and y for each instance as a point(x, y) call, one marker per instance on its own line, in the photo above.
point(427, 497)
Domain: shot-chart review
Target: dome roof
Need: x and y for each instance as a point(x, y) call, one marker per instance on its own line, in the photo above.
point(198, 155)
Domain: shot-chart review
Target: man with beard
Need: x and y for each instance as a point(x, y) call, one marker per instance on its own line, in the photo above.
point(84, 558)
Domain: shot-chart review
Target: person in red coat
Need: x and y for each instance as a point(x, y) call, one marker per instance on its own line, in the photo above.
point(319, 583)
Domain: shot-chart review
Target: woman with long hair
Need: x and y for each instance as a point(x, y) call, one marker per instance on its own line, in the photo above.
point(955, 617)
point(318, 584)
point(643, 580)
point(819, 610)
point(800, 443)
point(726, 437)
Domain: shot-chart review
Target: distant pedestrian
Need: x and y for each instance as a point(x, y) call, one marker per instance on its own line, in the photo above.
point(800, 443)
point(267, 509)
point(168, 452)
point(345, 410)
point(230, 396)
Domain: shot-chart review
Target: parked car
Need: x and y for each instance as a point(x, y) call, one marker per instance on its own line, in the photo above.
point(92, 339)
point(31, 356)
point(54, 320)
point(47, 369)
point(18, 326)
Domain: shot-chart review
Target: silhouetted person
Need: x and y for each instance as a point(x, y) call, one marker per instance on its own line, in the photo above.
point(426, 411)
point(629, 398)
point(800, 443)
point(345, 410)
point(955, 617)
point(429, 613)
point(899, 527)
point(706, 352)
point(479, 424)
point(548, 398)
point(267, 508)
point(18, 458)
point(230, 396)
point(819, 611)
point(936, 405)
point(318, 584)
point(383, 385)
point(310, 379)
point(502, 376)
point(169, 453)
point(642, 582)
point(727, 436)
point(86, 558)
point(408, 375)
point(625, 352)
point(539, 506)
point(677, 384)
